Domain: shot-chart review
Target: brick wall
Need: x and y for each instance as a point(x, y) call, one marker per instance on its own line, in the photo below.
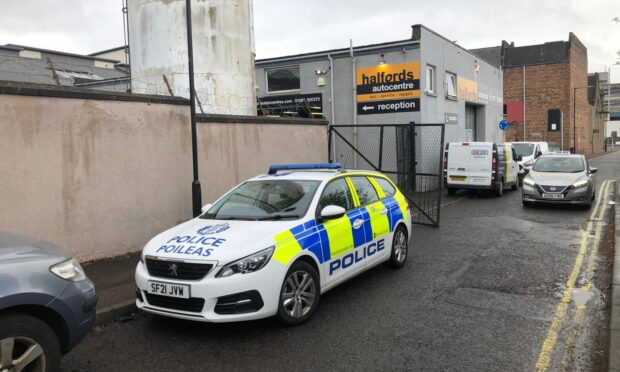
point(550, 86)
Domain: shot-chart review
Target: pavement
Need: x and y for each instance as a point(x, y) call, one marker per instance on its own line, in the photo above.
point(614, 333)
point(496, 287)
point(114, 280)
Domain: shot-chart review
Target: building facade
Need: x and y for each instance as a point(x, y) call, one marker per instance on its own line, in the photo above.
point(425, 79)
point(539, 78)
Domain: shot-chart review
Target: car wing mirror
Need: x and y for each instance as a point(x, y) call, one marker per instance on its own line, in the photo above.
point(205, 208)
point(539, 153)
point(331, 212)
point(593, 170)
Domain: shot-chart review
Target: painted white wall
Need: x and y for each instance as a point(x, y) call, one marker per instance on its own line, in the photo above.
point(223, 52)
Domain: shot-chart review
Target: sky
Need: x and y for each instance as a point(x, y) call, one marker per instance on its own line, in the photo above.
point(285, 27)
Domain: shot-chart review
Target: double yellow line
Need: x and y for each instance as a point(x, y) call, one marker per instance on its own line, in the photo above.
point(544, 358)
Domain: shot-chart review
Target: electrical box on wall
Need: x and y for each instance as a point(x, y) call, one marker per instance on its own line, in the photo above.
point(554, 120)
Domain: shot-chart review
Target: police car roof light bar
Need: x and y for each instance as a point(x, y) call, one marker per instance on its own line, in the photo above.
point(275, 168)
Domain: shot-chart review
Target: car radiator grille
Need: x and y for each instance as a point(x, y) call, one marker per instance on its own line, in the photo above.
point(553, 188)
point(180, 270)
point(193, 305)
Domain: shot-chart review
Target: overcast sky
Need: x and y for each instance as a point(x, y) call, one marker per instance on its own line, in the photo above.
point(294, 26)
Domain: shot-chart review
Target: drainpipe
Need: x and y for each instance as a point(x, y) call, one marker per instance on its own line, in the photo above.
point(333, 100)
point(354, 91)
point(524, 103)
point(196, 190)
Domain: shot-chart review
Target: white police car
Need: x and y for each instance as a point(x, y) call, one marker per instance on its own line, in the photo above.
point(273, 244)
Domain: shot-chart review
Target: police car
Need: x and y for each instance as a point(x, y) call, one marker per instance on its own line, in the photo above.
point(273, 244)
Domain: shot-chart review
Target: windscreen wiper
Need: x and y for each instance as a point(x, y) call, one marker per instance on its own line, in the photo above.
point(278, 217)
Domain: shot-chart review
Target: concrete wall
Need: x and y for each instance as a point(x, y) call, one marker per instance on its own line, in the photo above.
point(223, 45)
point(485, 81)
point(233, 150)
point(101, 173)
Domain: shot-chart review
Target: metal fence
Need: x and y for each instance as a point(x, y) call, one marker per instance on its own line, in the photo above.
point(410, 154)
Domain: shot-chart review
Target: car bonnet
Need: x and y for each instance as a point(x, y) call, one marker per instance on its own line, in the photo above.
point(556, 179)
point(216, 240)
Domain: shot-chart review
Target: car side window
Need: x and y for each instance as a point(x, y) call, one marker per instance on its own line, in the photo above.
point(336, 193)
point(386, 186)
point(365, 191)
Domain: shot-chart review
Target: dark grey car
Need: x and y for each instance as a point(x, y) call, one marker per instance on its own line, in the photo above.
point(560, 179)
point(47, 304)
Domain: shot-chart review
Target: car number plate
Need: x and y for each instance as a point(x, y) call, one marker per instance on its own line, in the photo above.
point(553, 196)
point(168, 289)
point(457, 178)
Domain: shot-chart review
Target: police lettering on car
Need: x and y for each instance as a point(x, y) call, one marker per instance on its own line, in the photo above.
point(273, 244)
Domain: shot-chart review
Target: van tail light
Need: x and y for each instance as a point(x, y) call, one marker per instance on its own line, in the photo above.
point(494, 167)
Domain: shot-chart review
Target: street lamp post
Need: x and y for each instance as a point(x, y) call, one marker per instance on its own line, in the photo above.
point(196, 191)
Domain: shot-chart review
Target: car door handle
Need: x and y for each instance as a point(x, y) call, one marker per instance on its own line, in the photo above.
point(384, 211)
point(358, 223)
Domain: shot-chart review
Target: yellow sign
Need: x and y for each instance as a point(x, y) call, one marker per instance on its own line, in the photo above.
point(399, 84)
point(468, 90)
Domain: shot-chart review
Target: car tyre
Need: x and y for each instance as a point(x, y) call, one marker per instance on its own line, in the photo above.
point(527, 204)
point(400, 248)
point(299, 294)
point(451, 191)
point(20, 333)
point(515, 186)
point(499, 191)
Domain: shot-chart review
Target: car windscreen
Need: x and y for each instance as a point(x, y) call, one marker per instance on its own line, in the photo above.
point(265, 200)
point(524, 149)
point(559, 165)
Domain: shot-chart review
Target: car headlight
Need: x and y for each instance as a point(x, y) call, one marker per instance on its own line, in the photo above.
point(529, 182)
point(69, 270)
point(529, 163)
point(247, 264)
point(579, 184)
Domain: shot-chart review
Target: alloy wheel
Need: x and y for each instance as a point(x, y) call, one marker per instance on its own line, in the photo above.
point(400, 246)
point(21, 354)
point(299, 294)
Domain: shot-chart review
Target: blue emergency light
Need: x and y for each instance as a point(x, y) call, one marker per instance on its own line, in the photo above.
point(275, 168)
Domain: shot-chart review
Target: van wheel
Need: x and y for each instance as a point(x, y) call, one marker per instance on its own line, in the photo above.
point(515, 186)
point(29, 343)
point(451, 191)
point(499, 190)
point(400, 248)
point(299, 295)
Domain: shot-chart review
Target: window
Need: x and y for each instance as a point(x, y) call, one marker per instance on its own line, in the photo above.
point(265, 200)
point(336, 193)
point(386, 186)
point(283, 79)
point(451, 85)
point(365, 192)
point(430, 79)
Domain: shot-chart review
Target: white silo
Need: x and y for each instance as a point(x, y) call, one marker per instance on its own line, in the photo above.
point(223, 40)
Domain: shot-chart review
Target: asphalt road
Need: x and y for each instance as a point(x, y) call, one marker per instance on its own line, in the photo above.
point(482, 292)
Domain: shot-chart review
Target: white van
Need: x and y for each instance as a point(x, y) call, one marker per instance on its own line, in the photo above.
point(529, 152)
point(480, 165)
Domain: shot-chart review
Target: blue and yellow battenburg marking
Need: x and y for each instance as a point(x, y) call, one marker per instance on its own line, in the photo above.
point(337, 237)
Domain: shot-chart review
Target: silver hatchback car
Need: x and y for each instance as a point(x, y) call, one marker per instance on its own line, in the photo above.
point(560, 179)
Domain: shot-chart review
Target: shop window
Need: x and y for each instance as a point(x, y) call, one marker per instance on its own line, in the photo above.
point(450, 85)
point(283, 79)
point(430, 79)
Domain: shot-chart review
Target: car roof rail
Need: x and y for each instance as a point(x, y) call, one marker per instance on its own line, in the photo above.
point(273, 169)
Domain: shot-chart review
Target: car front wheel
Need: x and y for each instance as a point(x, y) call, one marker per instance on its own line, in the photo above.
point(27, 344)
point(299, 295)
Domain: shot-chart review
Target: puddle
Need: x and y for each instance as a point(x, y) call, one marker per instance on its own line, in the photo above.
point(582, 296)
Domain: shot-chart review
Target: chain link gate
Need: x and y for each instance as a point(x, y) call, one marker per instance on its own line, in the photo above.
point(410, 154)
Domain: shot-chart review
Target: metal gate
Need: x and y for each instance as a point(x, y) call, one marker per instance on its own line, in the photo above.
point(410, 154)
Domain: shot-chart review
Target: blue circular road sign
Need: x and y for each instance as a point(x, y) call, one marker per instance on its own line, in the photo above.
point(504, 125)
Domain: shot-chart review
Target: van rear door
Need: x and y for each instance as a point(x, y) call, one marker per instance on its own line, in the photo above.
point(470, 163)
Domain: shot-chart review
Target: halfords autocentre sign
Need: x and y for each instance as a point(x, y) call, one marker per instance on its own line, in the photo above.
point(386, 89)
